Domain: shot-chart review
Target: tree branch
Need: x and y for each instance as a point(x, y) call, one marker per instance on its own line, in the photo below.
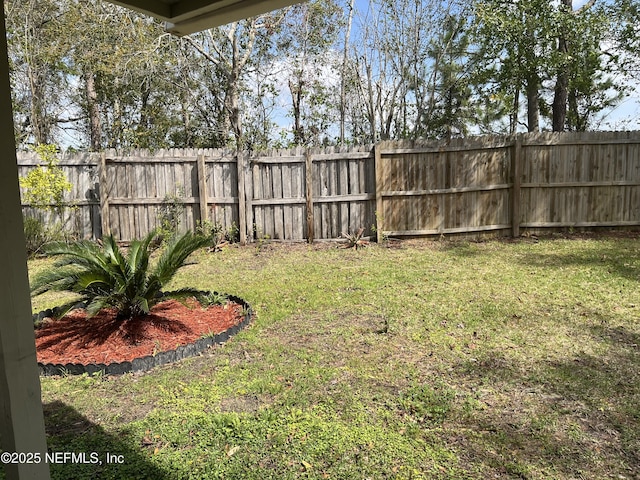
point(201, 50)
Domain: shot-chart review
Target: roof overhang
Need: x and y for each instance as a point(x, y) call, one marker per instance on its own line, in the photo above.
point(188, 16)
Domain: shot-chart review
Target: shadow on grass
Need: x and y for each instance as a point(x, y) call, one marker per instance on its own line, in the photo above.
point(616, 258)
point(69, 431)
point(574, 417)
point(461, 249)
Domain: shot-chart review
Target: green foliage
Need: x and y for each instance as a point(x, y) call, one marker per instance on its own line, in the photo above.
point(104, 277)
point(452, 111)
point(374, 226)
point(37, 234)
point(426, 404)
point(405, 71)
point(170, 215)
point(46, 184)
point(311, 31)
point(218, 235)
point(213, 298)
point(44, 189)
point(518, 55)
point(592, 88)
point(522, 36)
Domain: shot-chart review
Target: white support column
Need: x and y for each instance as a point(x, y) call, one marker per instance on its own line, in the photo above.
point(21, 418)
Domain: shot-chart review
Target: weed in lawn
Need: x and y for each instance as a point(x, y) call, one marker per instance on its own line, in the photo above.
point(213, 298)
point(425, 404)
point(210, 334)
point(354, 240)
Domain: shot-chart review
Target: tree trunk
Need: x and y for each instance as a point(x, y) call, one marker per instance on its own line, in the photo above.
point(533, 100)
point(560, 94)
point(343, 80)
point(448, 108)
point(232, 104)
point(37, 120)
point(513, 118)
point(371, 109)
point(296, 100)
point(95, 127)
point(575, 121)
point(145, 123)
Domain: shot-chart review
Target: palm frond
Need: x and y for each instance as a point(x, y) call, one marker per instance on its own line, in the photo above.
point(175, 255)
point(139, 253)
point(98, 303)
point(185, 293)
point(58, 279)
point(114, 262)
point(63, 310)
point(104, 277)
point(93, 280)
point(143, 304)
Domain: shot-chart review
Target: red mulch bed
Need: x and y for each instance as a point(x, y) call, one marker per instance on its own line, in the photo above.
point(102, 339)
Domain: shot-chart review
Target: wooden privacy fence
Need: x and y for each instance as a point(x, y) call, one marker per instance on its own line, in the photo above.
point(485, 184)
point(504, 184)
point(299, 194)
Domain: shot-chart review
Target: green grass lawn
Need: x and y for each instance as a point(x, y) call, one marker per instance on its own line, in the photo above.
point(418, 360)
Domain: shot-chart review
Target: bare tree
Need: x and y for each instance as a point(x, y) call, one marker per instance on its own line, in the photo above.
point(229, 49)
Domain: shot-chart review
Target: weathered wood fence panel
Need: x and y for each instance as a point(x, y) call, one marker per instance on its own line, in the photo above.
point(321, 193)
point(490, 184)
point(343, 192)
point(139, 187)
point(278, 195)
point(435, 189)
point(580, 180)
point(221, 177)
point(282, 199)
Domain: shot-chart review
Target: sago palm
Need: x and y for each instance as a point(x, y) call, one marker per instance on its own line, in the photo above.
point(105, 277)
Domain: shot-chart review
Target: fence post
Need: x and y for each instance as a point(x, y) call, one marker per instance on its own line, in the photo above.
point(202, 189)
point(242, 212)
point(516, 164)
point(249, 194)
point(377, 155)
point(308, 175)
point(104, 195)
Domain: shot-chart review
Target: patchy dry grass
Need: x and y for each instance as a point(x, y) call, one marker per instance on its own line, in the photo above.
point(426, 360)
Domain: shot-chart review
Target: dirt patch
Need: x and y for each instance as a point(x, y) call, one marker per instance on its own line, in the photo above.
point(243, 403)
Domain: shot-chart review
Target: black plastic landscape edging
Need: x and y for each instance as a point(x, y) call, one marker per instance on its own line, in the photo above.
point(148, 362)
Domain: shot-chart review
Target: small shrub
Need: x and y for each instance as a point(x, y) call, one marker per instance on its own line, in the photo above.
point(218, 236)
point(44, 189)
point(355, 240)
point(105, 278)
point(170, 215)
point(37, 234)
point(213, 298)
point(374, 227)
point(46, 184)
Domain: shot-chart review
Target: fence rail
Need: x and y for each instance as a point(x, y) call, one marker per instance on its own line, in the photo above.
point(498, 185)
